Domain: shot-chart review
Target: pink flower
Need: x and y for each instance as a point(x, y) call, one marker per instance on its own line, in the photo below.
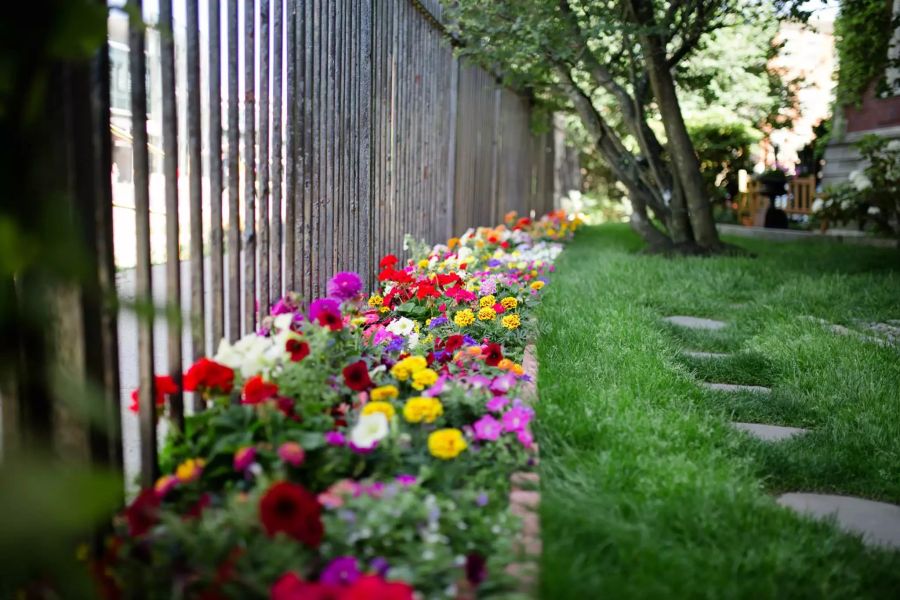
point(344, 285)
point(525, 438)
point(244, 457)
point(488, 428)
point(516, 419)
point(335, 438)
point(292, 453)
point(497, 403)
point(503, 383)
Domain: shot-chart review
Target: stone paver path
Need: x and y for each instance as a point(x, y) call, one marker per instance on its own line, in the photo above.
point(769, 433)
point(710, 355)
point(877, 522)
point(731, 387)
point(695, 322)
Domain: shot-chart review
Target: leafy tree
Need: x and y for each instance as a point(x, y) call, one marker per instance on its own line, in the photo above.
point(615, 63)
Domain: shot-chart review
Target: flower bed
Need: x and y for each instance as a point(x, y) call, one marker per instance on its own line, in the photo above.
point(362, 448)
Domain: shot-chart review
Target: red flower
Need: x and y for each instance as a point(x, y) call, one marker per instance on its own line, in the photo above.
point(256, 390)
point(297, 348)
point(447, 278)
point(426, 290)
point(395, 275)
point(143, 512)
point(290, 508)
point(196, 511)
point(388, 261)
point(165, 385)
point(290, 587)
point(206, 374)
point(356, 376)
point(330, 320)
point(453, 343)
point(493, 354)
point(372, 587)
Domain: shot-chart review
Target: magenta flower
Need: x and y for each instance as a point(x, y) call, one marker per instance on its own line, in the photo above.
point(292, 453)
point(344, 285)
point(340, 571)
point(335, 438)
point(244, 457)
point(497, 403)
point(324, 306)
point(503, 383)
point(525, 438)
point(405, 480)
point(488, 428)
point(516, 419)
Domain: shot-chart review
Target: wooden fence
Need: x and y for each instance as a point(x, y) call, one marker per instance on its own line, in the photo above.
point(294, 139)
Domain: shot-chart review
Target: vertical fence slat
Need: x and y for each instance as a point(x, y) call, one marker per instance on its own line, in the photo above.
point(195, 187)
point(170, 172)
point(216, 245)
point(234, 178)
point(305, 183)
point(143, 281)
point(264, 165)
point(291, 114)
point(277, 145)
point(250, 296)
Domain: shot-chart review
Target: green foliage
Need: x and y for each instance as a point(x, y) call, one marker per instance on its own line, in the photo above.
point(724, 149)
point(862, 33)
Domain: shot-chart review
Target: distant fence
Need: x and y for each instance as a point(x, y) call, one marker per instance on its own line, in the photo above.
point(281, 141)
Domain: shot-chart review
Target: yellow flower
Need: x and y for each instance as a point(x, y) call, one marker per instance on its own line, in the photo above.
point(486, 314)
point(385, 408)
point(536, 285)
point(452, 243)
point(408, 366)
point(424, 378)
point(384, 309)
point(511, 321)
point(518, 369)
point(464, 317)
point(375, 300)
point(189, 470)
point(384, 392)
point(487, 301)
point(358, 321)
point(420, 409)
point(505, 364)
point(423, 264)
point(446, 443)
point(509, 303)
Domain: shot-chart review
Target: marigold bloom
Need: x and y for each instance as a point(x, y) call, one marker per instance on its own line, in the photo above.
point(509, 303)
point(189, 470)
point(424, 378)
point(384, 392)
point(487, 314)
point(421, 409)
point(409, 366)
point(511, 321)
point(375, 300)
point(518, 369)
point(488, 300)
point(385, 408)
point(505, 364)
point(446, 444)
point(464, 317)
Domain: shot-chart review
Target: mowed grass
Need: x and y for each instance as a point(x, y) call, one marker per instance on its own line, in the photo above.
point(646, 490)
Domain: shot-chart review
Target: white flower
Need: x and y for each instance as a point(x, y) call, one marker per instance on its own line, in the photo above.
point(251, 355)
point(893, 145)
point(845, 205)
point(817, 205)
point(402, 327)
point(369, 430)
point(859, 180)
point(283, 321)
point(412, 341)
point(874, 210)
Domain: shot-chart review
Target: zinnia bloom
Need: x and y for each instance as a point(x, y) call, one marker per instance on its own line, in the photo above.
point(256, 391)
point(343, 570)
point(327, 313)
point(292, 453)
point(356, 376)
point(446, 443)
point(244, 457)
point(207, 375)
point(344, 285)
point(291, 509)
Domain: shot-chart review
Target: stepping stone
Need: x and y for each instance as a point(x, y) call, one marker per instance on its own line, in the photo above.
point(695, 322)
point(769, 433)
point(697, 354)
point(731, 387)
point(877, 522)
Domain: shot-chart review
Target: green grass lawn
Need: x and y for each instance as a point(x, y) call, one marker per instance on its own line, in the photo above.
point(646, 490)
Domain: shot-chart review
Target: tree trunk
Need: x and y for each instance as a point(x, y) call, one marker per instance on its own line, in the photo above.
point(680, 146)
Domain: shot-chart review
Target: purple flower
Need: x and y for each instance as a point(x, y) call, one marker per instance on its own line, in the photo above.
point(497, 403)
point(469, 340)
point(341, 571)
point(395, 345)
point(380, 565)
point(494, 262)
point(283, 306)
point(478, 381)
point(516, 419)
point(437, 389)
point(335, 438)
point(482, 499)
point(324, 305)
point(344, 285)
point(437, 322)
point(488, 428)
point(405, 479)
